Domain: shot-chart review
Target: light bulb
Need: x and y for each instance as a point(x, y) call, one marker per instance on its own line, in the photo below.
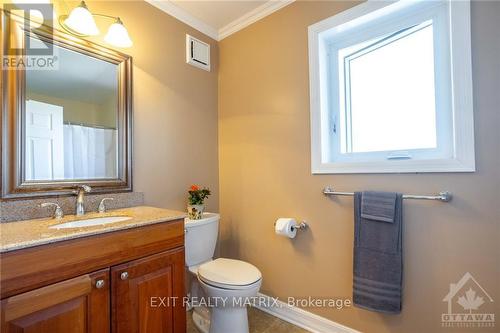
point(80, 20)
point(118, 35)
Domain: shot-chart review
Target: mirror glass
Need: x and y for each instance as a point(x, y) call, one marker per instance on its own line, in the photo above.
point(70, 121)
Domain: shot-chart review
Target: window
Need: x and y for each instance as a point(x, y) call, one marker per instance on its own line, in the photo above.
point(371, 77)
point(391, 89)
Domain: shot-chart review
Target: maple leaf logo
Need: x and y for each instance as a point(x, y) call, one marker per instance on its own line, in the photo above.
point(470, 301)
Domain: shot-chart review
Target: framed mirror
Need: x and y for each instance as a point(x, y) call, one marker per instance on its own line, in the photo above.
point(67, 120)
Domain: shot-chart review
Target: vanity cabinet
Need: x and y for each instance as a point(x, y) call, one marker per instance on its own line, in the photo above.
point(145, 294)
point(118, 282)
point(80, 304)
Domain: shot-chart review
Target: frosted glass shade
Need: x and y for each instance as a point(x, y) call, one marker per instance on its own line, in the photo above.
point(118, 36)
point(80, 20)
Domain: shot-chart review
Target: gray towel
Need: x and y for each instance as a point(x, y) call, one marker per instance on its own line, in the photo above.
point(378, 206)
point(378, 260)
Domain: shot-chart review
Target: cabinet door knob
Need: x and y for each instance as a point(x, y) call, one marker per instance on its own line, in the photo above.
point(124, 275)
point(99, 284)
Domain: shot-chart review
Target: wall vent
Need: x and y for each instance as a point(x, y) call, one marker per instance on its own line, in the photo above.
point(197, 53)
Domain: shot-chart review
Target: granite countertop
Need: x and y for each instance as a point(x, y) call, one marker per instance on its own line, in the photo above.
point(23, 234)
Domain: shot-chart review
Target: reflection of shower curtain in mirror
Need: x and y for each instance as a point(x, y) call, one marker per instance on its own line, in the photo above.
point(89, 152)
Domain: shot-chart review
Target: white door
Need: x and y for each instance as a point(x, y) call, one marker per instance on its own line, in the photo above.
point(44, 141)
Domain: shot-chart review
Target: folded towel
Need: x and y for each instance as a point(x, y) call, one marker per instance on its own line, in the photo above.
point(378, 206)
point(378, 260)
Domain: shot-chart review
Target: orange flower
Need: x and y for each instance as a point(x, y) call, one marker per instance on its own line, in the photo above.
point(194, 188)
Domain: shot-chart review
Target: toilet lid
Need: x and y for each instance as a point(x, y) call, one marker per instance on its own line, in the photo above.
point(229, 272)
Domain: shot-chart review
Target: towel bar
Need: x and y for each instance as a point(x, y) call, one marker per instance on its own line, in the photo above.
point(443, 196)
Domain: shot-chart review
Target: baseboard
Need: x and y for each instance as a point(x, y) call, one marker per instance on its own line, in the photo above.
point(301, 318)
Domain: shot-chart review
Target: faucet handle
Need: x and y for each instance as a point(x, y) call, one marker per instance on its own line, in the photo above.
point(102, 205)
point(58, 214)
point(86, 188)
point(79, 188)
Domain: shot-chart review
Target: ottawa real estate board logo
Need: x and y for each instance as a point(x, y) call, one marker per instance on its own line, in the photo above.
point(468, 305)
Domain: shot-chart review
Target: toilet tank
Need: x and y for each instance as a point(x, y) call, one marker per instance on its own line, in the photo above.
point(201, 238)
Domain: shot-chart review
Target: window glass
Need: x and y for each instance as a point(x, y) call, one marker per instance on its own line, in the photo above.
point(389, 93)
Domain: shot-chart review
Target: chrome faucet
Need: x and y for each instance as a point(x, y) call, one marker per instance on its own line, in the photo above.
point(102, 205)
point(80, 191)
point(58, 213)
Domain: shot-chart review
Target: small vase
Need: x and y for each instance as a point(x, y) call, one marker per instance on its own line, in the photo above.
point(195, 212)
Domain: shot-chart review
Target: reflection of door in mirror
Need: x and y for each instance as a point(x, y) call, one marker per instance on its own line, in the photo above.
point(71, 119)
point(44, 141)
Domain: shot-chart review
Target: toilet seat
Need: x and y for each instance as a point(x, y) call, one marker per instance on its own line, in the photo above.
point(229, 274)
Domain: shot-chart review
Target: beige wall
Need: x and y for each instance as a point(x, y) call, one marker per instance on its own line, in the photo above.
point(264, 168)
point(78, 112)
point(175, 105)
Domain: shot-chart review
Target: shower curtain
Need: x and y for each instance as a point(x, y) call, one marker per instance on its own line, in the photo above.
point(89, 152)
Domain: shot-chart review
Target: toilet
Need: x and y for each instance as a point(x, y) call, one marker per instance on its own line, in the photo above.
point(223, 284)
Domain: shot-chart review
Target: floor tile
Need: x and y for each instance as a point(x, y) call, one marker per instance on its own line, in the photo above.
point(259, 322)
point(281, 326)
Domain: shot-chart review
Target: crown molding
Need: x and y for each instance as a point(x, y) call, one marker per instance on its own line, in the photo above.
point(252, 16)
point(185, 17)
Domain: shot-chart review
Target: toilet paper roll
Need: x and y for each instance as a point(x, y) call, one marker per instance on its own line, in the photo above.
point(283, 227)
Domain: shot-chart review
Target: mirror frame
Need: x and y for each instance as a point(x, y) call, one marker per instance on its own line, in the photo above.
point(13, 184)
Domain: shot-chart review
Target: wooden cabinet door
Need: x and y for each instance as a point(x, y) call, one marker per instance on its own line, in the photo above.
point(147, 294)
point(77, 305)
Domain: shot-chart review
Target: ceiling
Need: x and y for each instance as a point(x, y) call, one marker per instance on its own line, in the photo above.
point(217, 14)
point(219, 19)
point(93, 81)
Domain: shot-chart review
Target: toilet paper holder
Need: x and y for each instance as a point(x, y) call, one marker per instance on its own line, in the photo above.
point(300, 226)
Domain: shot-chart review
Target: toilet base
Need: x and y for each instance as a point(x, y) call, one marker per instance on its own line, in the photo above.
point(234, 320)
point(201, 323)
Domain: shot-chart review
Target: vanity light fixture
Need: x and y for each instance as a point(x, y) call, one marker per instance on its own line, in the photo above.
point(80, 22)
point(117, 35)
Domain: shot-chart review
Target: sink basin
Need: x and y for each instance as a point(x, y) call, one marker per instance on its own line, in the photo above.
point(91, 222)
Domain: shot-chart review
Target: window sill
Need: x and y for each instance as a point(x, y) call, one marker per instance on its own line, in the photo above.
point(402, 166)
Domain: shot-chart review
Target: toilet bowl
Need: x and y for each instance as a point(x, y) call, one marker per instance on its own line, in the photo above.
point(227, 285)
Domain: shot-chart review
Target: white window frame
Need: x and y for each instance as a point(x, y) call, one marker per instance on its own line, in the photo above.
point(454, 108)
